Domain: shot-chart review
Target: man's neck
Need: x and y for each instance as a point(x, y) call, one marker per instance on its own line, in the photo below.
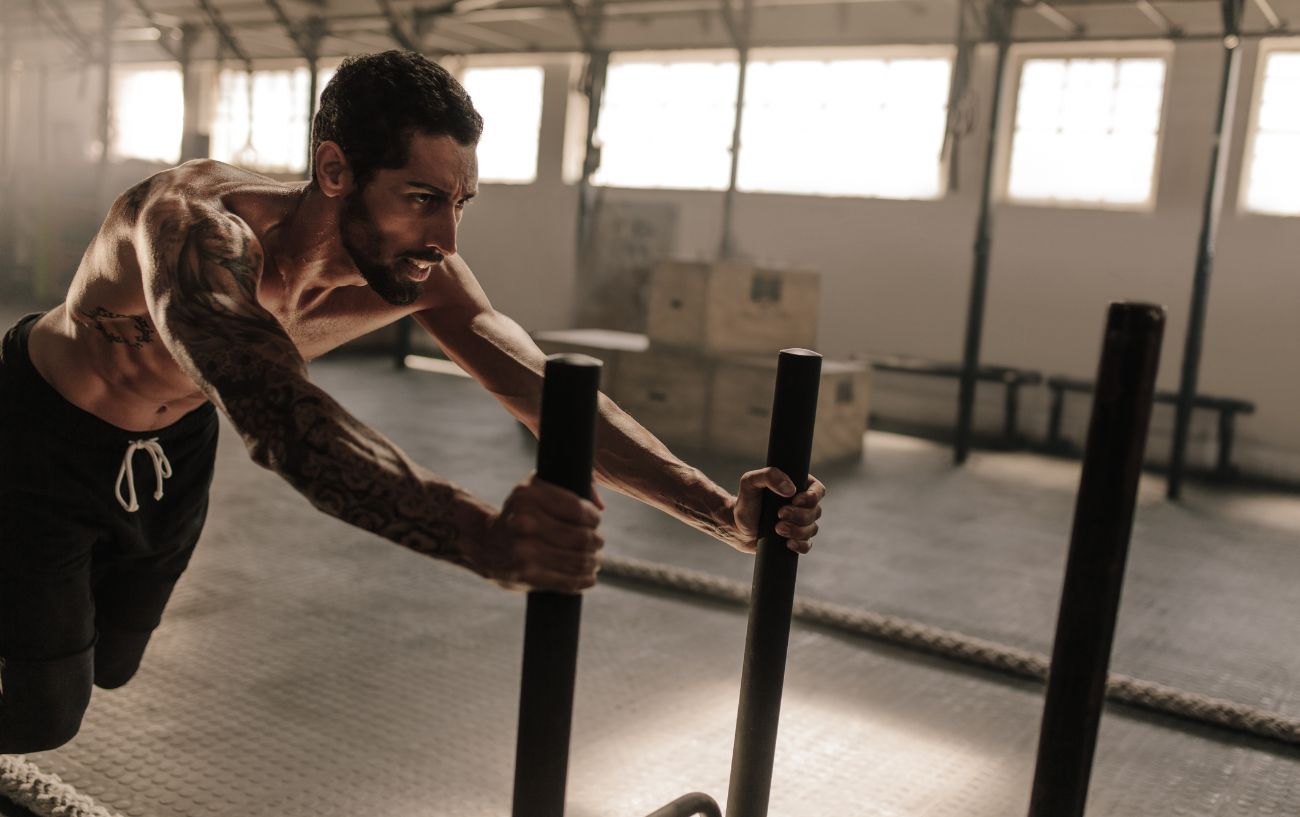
point(307, 248)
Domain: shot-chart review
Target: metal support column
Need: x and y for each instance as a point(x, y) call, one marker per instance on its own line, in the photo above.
point(740, 36)
point(594, 90)
point(1210, 214)
point(108, 10)
point(190, 148)
point(6, 180)
point(1001, 15)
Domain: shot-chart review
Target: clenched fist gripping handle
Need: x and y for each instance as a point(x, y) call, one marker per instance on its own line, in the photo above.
point(566, 445)
point(789, 448)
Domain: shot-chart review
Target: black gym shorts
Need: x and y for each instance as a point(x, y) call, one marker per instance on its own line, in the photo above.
point(77, 566)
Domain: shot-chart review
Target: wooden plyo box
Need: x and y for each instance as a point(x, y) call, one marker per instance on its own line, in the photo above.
point(740, 411)
point(667, 392)
point(606, 345)
point(732, 307)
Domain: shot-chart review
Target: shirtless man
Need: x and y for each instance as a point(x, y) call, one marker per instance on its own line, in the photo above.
point(209, 288)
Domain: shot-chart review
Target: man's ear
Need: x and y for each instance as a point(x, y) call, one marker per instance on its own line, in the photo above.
point(333, 174)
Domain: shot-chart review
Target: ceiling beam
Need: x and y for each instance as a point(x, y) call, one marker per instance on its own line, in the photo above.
point(224, 33)
point(1275, 22)
point(300, 39)
point(487, 35)
point(396, 29)
point(165, 33)
point(1059, 19)
point(65, 26)
point(1158, 17)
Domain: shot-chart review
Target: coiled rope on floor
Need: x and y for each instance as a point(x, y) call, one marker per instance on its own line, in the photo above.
point(968, 649)
point(44, 794)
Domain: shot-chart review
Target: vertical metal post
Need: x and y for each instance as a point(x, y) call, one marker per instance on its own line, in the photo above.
point(740, 38)
point(46, 283)
point(789, 448)
point(189, 93)
point(402, 343)
point(1001, 15)
point(107, 20)
point(313, 67)
point(1210, 214)
point(313, 33)
point(1094, 575)
point(597, 68)
point(6, 181)
point(566, 445)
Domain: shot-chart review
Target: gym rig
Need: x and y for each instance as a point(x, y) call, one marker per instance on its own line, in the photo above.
point(1103, 522)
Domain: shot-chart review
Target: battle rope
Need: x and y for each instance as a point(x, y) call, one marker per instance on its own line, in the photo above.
point(44, 794)
point(948, 644)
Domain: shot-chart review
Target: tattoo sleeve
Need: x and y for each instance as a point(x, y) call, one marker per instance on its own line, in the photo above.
point(203, 294)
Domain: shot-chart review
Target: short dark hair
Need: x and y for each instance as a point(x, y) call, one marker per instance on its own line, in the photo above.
point(374, 103)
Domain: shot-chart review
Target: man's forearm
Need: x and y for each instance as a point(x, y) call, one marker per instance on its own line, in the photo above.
point(633, 461)
point(352, 472)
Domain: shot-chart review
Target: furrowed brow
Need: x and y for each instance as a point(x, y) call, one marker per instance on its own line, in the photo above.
point(439, 191)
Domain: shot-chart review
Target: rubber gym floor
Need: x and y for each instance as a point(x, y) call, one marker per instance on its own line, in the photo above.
point(306, 668)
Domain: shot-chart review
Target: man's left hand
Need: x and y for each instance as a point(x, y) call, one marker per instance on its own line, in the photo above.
point(797, 520)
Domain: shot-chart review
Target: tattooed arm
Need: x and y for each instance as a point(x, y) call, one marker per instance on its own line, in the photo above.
point(202, 294)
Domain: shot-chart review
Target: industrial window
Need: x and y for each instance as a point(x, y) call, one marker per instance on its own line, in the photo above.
point(855, 126)
point(261, 119)
point(148, 114)
point(1273, 169)
point(510, 102)
point(667, 122)
point(1087, 131)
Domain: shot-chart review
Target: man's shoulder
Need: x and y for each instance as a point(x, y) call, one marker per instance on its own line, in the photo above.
point(198, 189)
point(175, 203)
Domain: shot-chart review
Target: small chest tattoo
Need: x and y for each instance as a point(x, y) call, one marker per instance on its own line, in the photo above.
point(138, 334)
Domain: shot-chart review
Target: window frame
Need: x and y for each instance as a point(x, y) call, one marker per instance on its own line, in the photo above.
point(259, 65)
point(458, 64)
point(1267, 47)
point(139, 66)
point(660, 57)
point(881, 52)
point(1107, 49)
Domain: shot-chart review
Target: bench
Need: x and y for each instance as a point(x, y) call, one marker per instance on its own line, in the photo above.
point(1227, 407)
point(1009, 377)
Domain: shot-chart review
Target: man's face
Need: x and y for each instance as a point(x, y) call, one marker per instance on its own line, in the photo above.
point(403, 223)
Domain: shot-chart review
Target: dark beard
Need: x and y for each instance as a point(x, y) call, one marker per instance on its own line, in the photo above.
point(365, 246)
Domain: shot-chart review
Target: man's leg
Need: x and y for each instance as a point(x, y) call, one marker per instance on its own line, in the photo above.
point(130, 597)
point(46, 654)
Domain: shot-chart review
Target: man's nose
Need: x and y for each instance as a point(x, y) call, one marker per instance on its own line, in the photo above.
point(442, 232)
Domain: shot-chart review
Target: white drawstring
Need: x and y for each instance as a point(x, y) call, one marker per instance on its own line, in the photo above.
point(162, 469)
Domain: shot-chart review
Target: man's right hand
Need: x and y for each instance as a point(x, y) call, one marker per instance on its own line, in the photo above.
point(544, 538)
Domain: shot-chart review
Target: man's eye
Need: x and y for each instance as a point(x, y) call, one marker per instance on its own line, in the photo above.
point(422, 198)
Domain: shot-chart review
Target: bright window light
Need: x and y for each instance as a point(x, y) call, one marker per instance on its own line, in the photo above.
point(1273, 181)
point(1086, 131)
point(667, 124)
point(850, 127)
point(510, 102)
point(271, 133)
point(148, 114)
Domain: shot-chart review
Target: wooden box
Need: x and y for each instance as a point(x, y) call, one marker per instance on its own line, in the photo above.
point(740, 409)
point(732, 307)
point(606, 345)
point(666, 392)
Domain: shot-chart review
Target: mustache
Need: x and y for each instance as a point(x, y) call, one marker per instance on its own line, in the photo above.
point(434, 257)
